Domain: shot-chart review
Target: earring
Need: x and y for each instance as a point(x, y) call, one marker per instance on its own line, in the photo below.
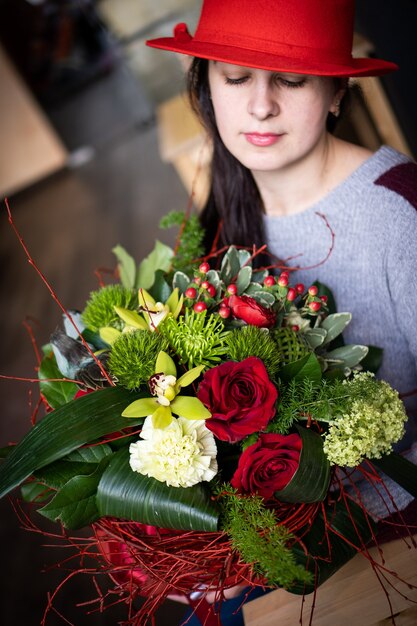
point(336, 111)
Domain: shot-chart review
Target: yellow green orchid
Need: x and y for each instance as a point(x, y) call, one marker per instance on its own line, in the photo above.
point(166, 387)
point(152, 314)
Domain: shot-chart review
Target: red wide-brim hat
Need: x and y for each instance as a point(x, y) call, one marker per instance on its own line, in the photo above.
point(297, 36)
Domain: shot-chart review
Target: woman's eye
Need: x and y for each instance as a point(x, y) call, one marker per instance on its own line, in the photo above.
point(235, 81)
point(292, 84)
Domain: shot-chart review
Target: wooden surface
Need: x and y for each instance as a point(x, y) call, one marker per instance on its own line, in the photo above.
point(352, 597)
point(31, 149)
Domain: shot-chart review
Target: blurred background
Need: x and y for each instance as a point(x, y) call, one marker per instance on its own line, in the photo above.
point(97, 144)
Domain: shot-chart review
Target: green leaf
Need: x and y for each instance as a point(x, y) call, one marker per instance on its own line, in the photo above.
point(90, 454)
point(125, 494)
point(190, 408)
point(126, 267)
point(158, 259)
point(263, 297)
point(243, 279)
point(346, 356)
point(35, 492)
point(244, 256)
point(306, 367)
point(56, 393)
point(400, 469)
point(213, 277)
point(310, 482)
point(109, 335)
point(335, 324)
point(259, 276)
point(64, 430)
point(141, 408)
point(160, 289)
point(75, 504)
point(372, 361)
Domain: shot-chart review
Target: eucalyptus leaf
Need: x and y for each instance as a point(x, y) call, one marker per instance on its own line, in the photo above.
point(263, 297)
point(334, 325)
point(126, 267)
point(372, 361)
point(125, 494)
point(346, 356)
point(315, 337)
point(310, 482)
point(75, 424)
point(259, 276)
point(230, 265)
point(56, 393)
point(75, 504)
point(159, 259)
point(213, 277)
point(243, 279)
point(244, 257)
point(181, 281)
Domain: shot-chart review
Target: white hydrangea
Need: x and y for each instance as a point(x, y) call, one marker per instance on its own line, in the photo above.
point(181, 455)
point(368, 430)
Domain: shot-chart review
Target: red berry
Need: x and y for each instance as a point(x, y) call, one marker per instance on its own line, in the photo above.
point(313, 290)
point(204, 268)
point(295, 328)
point(284, 275)
point(324, 299)
point(224, 312)
point(232, 289)
point(269, 281)
point(211, 290)
point(205, 284)
point(197, 280)
point(299, 288)
point(291, 294)
point(315, 306)
point(190, 293)
point(199, 307)
point(282, 281)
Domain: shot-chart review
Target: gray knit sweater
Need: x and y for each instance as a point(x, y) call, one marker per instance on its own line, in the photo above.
point(372, 269)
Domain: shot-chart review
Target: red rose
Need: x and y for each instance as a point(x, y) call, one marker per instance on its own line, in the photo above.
point(240, 397)
point(251, 312)
point(268, 465)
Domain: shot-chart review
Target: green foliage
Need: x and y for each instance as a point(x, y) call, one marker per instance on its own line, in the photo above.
point(290, 344)
point(256, 534)
point(57, 393)
point(133, 356)
point(197, 338)
point(99, 310)
point(191, 243)
point(252, 341)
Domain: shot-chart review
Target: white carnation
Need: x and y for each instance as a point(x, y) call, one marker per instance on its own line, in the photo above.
point(181, 455)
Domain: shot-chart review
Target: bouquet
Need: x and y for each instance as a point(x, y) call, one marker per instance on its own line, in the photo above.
point(207, 422)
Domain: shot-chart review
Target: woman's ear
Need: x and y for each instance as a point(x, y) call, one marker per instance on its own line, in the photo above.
point(341, 87)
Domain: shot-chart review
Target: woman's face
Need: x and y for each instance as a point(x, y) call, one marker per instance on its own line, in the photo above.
point(270, 121)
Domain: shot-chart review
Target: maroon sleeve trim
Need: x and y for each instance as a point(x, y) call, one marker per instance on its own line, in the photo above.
point(401, 179)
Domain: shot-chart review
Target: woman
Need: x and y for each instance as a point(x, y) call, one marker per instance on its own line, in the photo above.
point(268, 81)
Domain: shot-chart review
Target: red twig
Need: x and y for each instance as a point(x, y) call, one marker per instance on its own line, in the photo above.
point(53, 294)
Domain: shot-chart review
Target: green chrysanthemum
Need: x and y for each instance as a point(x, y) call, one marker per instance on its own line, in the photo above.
point(290, 344)
point(196, 338)
point(99, 310)
point(133, 356)
point(253, 341)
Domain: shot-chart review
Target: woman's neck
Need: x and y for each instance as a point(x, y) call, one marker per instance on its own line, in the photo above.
point(302, 184)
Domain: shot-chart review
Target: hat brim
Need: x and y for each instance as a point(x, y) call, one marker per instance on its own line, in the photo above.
point(266, 61)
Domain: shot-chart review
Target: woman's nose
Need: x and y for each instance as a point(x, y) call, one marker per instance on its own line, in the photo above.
point(263, 101)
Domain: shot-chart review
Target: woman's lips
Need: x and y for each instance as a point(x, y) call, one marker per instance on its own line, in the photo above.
point(262, 139)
